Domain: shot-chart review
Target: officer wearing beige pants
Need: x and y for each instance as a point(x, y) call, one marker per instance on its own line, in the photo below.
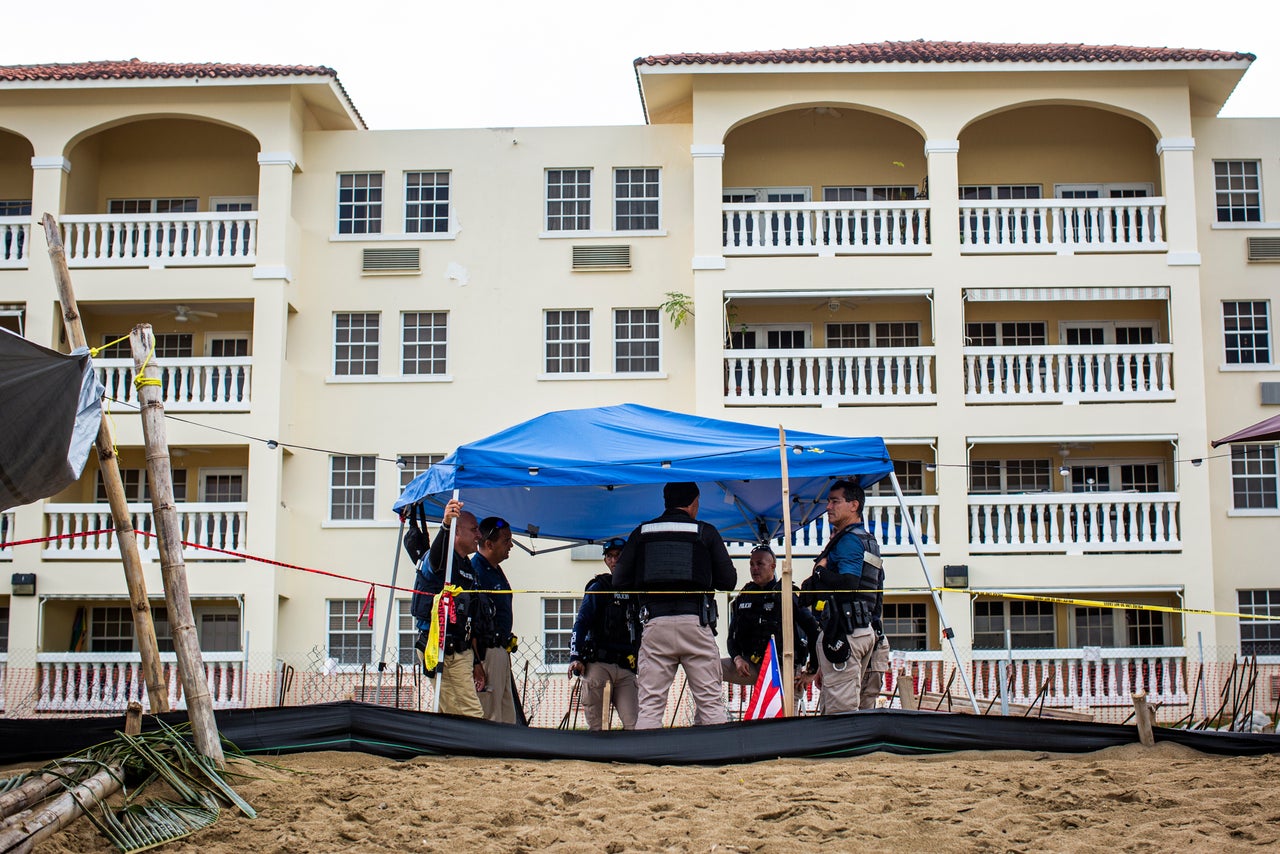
point(677, 564)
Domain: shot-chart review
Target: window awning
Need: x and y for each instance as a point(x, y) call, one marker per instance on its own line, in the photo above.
point(1064, 294)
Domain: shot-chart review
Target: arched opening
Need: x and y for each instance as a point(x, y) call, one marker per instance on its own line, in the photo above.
point(824, 179)
point(15, 198)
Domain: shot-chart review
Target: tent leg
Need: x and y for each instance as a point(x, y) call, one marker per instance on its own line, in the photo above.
point(933, 591)
point(391, 603)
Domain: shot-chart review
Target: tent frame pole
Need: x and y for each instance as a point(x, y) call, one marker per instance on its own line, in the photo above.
point(947, 631)
point(448, 579)
point(391, 603)
point(787, 641)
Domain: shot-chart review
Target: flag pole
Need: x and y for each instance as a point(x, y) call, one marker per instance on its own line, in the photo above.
point(788, 617)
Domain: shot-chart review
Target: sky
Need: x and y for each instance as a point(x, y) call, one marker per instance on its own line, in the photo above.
point(501, 63)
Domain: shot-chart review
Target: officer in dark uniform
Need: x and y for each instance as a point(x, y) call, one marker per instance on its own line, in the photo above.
point(677, 563)
point(605, 645)
point(755, 616)
point(461, 667)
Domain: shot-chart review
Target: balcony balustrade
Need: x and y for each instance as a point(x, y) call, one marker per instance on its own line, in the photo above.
point(203, 384)
point(1061, 374)
point(883, 519)
point(829, 377)
point(161, 240)
point(87, 682)
point(15, 241)
point(1092, 676)
point(1063, 226)
point(86, 531)
point(1074, 522)
point(826, 228)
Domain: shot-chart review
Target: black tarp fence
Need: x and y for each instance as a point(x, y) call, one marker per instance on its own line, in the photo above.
point(402, 734)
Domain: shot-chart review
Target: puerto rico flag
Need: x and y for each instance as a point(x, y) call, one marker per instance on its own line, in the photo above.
point(766, 700)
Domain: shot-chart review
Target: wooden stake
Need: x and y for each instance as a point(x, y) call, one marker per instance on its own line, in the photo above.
point(172, 567)
point(133, 719)
point(788, 638)
point(906, 689)
point(143, 629)
point(1142, 717)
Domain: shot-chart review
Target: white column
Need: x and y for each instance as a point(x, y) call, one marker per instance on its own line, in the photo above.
point(943, 156)
point(708, 190)
point(1177, 178)
point(275, 214)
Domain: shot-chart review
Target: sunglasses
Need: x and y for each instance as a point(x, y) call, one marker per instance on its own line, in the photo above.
point(614, 543)
point(762, 548)
point(490, 527)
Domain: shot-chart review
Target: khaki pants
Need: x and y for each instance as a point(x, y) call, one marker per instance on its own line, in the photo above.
point(496, 699)
point(674, 641)
point(623, 695)
point(729, 673)
point(842, 689)
point(873, 676)
point(457, 688)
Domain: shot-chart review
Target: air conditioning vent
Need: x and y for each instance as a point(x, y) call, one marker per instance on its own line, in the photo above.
point(1270, 394)
point(602, 257)
point(392, 261)
point(1263, 248)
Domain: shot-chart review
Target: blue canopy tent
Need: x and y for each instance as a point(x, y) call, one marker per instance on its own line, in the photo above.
point(589, 474)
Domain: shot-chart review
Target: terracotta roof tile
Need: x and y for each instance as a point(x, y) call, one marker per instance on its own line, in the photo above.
point(949, 52)
point(135, 69)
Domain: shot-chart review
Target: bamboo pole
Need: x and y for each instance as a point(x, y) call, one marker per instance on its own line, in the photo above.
point(60, 812)
point(143, 629)
point(788, 639)
point(173, 570)
point(1142, 717)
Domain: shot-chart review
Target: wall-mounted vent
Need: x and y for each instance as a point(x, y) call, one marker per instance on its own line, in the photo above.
point(392, 261)
point(1263, 248)
point(602, 257)
point(1270, 394)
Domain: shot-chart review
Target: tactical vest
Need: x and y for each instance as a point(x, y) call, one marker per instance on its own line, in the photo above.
point(672, 556)
point(614, 635)
point(868, 598)
point(758, 617)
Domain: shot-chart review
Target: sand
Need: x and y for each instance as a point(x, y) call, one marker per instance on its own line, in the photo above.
point(1167, 798)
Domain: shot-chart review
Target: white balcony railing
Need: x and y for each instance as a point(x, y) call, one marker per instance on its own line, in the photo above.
point(884, 521)
point(1104, 372)
point(221, 526)
point(828, 377)
point(1074, 522)
point(205, 384)
point(6, 535)
point(161, 240)
point(826, 228)
point(15, 241)
point(108, 681)
point(1093, 676)
point(1063, 225)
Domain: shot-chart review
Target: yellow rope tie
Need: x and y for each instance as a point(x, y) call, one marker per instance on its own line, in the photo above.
point(138, 379)
point(94, 351)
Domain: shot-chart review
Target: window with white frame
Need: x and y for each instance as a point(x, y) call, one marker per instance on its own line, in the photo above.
point(1006, 477)
point(894, 193)
point(906, 625)
point(1032, 625)
point(222, 486)
point(350, 640)
point(148, 206)
point(1246, 331)
point(220, 632)
point(568, 200)
point(359, 203)
point(1237, 186)
point(557, 628)
point(4, 628)
point(1110, 627)
point(426, 202)
point(567, 341)
point(910, 478)
point(1024, 333)
point(355, 343)
point(416, 464)
point(110, 629)
point(1260, 637)
point(999, 192)
point(863, 335)
point(352, 487)
point(168, 345)
point(136, 490)
point(424, 339)
point(1254, 481)
point(406, 634)
point(636, 195)
point(635, 340)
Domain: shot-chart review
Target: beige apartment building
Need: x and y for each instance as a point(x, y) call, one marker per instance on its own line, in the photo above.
point(1043, 273)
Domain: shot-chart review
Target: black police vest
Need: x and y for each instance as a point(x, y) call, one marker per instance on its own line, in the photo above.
point(757, 617)
point(870, 587)
point(615, 629)
point(672, 556)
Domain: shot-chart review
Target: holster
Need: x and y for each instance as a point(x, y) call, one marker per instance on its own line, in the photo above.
point(709, 613)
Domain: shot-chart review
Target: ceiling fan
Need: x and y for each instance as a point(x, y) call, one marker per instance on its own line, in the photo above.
point(834, 304)
point(185, 313)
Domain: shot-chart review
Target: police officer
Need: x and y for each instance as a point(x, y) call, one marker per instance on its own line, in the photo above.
point(679, 554)
point(850, 576)
point(605, 645)
point(461, 667)
point(755, 616)
point(496, 645)
point(873, 678)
